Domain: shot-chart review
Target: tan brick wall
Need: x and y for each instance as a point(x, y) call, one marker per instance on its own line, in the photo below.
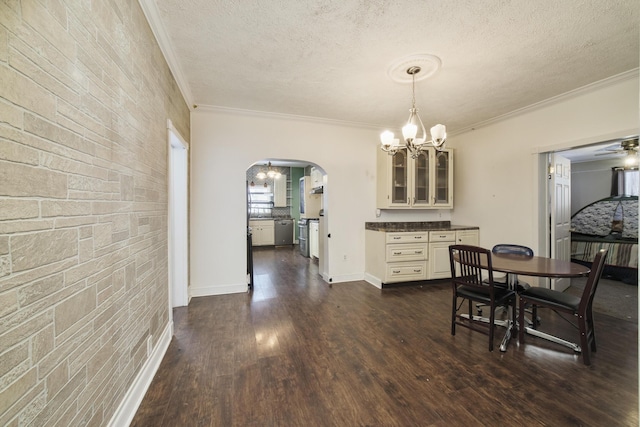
point(84, 97)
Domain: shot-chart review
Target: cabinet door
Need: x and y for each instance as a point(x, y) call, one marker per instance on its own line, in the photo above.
point(268, 233)
point(425, 182)
point(439, 267)
point(400, 178)
point(468, 237)
point(255, 233)
point(443, 179)
point(280, 192)
point(313, 239)
point(262, 233)
point(421, 169)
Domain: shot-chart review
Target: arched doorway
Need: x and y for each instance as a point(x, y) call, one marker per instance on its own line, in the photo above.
point(275, 193)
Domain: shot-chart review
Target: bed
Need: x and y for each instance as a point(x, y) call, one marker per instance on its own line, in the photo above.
point(610, 223)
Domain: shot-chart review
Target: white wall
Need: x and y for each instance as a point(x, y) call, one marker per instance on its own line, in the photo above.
point(496, 171)
point(591, 181)
point(225, 144)
point(495, 182)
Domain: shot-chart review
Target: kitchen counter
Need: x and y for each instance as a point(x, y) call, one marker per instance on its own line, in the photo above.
point(416, 226)
point(271, 218)
point(400, 252)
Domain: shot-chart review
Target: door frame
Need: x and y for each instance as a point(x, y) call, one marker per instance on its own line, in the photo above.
point(178, 220)
point(540, 166)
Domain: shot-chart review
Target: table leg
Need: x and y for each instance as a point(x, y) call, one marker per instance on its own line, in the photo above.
point(575, 347)
point(508, 324)
point(496, 322)
point(507, 336)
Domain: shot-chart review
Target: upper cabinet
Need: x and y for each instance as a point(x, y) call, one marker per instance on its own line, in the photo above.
point(280, 191)
point(316, 177)
point(422, 183)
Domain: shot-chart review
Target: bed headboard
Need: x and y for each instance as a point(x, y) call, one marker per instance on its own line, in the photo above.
point(611, 215)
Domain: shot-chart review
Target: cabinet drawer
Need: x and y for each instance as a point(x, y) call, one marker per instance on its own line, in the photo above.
point(442, 236)
point(404, 272)
point(407, 252)
point(404, 237)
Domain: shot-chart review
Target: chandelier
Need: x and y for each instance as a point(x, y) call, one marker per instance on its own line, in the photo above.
point(270, 173)
point(414, 142)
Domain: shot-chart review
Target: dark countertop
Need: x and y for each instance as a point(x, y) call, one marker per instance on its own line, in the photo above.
point(416, 226)
point(271, 218)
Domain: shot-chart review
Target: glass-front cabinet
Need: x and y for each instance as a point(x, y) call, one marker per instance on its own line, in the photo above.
point(421, 167)
point(425, 182)
point(400, 178)
point(443, 191)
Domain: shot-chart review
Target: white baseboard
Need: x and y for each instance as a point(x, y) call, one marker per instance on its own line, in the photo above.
point(373, 280)
point(129, 405)
point(344, 278)
point(206, 291)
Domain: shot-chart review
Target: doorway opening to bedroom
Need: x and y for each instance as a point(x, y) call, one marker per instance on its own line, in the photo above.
point(600, 209)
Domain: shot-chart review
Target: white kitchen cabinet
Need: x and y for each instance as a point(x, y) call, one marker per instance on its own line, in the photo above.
point(468, 237)
point(316, 177)
point(393, 257)
point(280, 192)
point(439, 242)
point(314, 247)
point(422, 183)
point(262, 232)
point(411, 253)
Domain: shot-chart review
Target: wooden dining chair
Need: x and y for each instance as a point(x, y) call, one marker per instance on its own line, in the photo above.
point(511, 249)
point(501, 278)
point(467, 272)
point(580, 307)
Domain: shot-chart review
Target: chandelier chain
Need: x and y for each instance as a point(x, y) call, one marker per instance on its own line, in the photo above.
point(413, 90)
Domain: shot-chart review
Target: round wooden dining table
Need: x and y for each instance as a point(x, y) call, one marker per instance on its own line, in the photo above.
point(537, 266)
point(515, 265)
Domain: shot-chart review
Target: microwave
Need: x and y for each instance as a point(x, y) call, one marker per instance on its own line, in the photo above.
point(309, 203)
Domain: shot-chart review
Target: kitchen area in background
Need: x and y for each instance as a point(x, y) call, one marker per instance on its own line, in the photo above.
point(284, 204)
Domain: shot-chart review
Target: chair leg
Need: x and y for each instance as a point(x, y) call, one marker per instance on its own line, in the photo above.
point(513, 314)
point(453, 313)
point(584, 344)
point(590, 330)
point(492, 318)
point(521, 325)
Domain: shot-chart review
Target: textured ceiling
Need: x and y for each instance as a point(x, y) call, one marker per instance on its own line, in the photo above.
point(329, 58)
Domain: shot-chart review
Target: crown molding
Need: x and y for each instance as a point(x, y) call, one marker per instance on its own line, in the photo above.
point(280, 116)
point(151, 12)
point(609, 81)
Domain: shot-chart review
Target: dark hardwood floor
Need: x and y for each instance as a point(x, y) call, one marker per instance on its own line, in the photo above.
point(298, 352)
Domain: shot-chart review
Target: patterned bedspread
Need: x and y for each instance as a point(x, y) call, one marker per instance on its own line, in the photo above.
point(621, 254)
point(610, 223)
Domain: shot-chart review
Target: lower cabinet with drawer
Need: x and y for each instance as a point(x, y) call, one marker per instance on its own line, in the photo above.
point(439, 253)
point(405, 256)
point(439, 242)
point(393, 257)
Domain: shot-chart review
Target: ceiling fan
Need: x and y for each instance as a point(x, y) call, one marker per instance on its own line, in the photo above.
point(626, 147)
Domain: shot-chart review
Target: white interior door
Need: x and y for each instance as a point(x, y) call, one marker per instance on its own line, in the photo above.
point(560, 204)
